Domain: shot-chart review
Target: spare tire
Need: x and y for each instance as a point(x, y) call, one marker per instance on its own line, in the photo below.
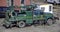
point(49, 21)
point(21, 24)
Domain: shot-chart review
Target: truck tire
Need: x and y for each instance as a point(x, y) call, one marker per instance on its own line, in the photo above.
point(49, 21)
point(21, 24)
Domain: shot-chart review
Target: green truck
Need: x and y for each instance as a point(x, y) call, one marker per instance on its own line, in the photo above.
point(27, 15)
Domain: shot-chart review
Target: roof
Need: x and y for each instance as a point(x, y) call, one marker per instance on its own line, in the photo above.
point(46, 4)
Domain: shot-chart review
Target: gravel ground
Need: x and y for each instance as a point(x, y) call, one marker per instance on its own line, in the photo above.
point(40, 28)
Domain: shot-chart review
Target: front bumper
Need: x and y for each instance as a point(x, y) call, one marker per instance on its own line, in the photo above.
point(56, 18)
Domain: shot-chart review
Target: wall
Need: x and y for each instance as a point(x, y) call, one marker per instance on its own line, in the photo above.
point(3, 3)
point(16, 2)
point(27, 2)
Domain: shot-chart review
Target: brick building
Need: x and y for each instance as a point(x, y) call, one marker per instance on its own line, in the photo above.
point(6, 3)
point(3, 3)
point(15, 2)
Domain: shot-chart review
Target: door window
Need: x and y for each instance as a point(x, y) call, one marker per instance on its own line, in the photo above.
point(49, 8)
point(36, 12)
point(42, 8)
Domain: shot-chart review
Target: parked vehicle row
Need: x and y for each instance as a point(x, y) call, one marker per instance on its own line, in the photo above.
point(53, 1)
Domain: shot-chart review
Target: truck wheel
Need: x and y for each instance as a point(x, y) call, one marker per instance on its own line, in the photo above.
point(49, 21)
point(21, 24)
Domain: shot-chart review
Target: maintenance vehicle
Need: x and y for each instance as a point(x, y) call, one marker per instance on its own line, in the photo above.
point(27, 15)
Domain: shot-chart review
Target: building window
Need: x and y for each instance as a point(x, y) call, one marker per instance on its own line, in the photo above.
point(22, 1)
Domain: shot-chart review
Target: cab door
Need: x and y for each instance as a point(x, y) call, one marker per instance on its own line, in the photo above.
point(29, 17)
point(38, 15)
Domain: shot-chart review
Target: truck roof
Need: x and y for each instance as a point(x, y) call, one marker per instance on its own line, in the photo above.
point(46, 4)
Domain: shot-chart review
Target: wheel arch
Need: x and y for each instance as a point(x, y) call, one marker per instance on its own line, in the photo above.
point(50, 18)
